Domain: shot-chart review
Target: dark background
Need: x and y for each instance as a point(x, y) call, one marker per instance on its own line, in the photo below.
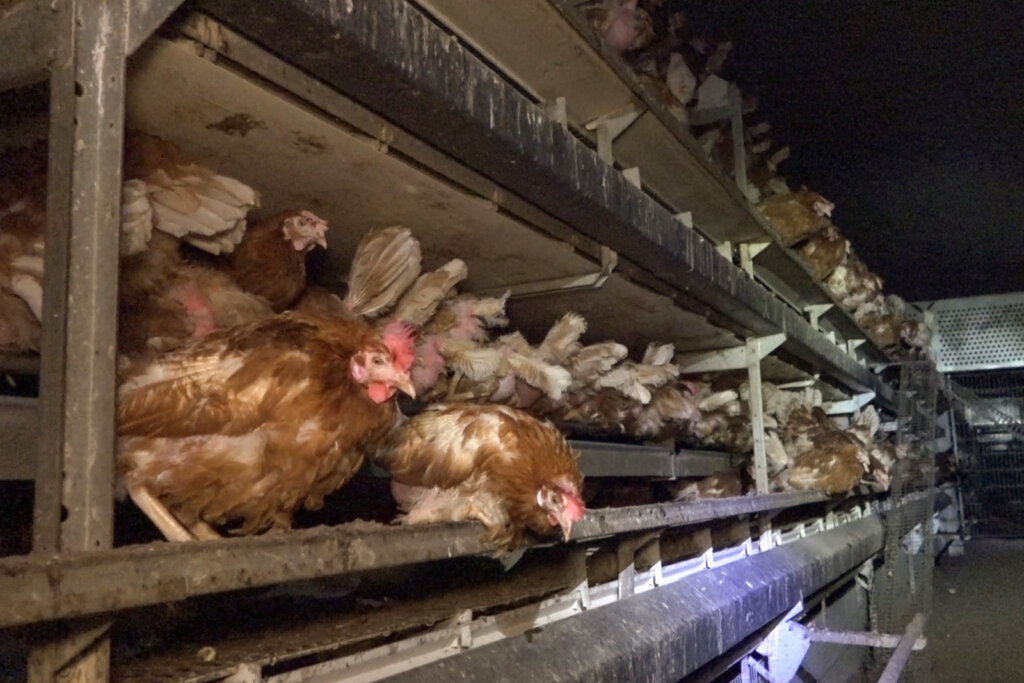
point(908, 115)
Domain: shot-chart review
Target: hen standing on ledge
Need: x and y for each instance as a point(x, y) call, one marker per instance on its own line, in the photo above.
point(245, 425)
point(487, 462)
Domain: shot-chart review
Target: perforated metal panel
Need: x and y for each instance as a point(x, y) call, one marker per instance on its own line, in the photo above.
point(979, 333)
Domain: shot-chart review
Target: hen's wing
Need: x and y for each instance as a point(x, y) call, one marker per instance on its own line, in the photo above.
point(442, 446)
point(216, 385)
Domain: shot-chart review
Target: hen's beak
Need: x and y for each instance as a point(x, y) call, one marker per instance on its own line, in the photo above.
point(404, 384)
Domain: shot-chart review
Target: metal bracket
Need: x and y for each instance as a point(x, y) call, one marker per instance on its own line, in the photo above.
point(852, 344)
point(609, 259)
point(610, 126)
point(786, 646)
point(738, 151)
point(850, 405)
point(815, 311)
point(632, 175)
point(730, 359)
point(748, 252)
point(557, 111)
point(725, 249)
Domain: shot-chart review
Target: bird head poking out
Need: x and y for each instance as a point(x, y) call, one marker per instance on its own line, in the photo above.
point(563, 505)
point(385, 370)
point(377, 371)
point(305, 230)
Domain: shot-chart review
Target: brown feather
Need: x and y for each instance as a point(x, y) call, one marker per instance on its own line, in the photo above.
point(245, 425)
point(265, 263)
point(495, 449)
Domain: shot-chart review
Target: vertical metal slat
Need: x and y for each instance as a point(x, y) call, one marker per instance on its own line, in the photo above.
point(75, 483)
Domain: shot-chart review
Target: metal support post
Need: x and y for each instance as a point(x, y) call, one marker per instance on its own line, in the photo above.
point(756, 349)
point(75, 478)
point(738, 150)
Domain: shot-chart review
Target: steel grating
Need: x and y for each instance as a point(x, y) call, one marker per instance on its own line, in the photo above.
point(979, 333)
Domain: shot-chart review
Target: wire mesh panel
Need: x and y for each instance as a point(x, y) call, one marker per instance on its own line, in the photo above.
point(902, 586)
point(992, 451)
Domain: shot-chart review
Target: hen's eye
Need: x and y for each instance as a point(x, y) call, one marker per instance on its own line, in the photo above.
point(377, 360)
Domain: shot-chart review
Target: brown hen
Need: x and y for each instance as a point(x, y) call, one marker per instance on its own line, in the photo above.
point(270, 261)
point(492, 463)
point(241, 428)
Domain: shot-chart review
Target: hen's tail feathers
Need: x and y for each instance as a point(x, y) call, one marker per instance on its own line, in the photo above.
point(386, 263)
point(136, 218)
point(478, 363)
point(658, 354)
point(550, 379)
point(420, 302)
point(595, 360)
point(562, 340)
point(718, 399)
point(200, 207)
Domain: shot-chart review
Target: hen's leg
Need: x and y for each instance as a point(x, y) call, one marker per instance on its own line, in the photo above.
point(167, 523)
point(204, 532)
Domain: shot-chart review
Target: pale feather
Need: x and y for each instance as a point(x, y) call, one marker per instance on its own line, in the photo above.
point(718, 400)
point(562, 340)
point(476, 362)
point(658, 354)
point(420, 301)
point(386, 263)
point(550, 379)
point(596, 359)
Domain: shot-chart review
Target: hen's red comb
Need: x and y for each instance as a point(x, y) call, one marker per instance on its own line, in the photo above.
point(400, 338)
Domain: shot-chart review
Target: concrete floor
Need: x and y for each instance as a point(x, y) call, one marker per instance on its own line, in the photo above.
point(976, 632)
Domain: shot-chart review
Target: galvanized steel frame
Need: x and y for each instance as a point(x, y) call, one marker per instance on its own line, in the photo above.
point(398, 63)
point(84, 46)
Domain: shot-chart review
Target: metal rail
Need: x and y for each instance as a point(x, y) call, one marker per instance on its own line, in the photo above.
point(44, 587)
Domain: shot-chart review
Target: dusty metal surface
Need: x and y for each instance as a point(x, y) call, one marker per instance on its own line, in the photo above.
point(27, 34)
point(337, 623)
point(429, 84)
point(600, 523)
point(298, 156)
point(19, 432)
point(667, 633)
point(74, 506)
point(599, 459)
point(80, 293)
point(43, 587)
point(145, 16)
